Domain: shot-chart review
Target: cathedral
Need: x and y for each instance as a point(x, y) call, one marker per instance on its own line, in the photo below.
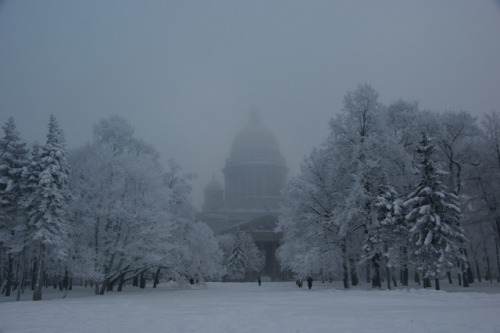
point(254, 175)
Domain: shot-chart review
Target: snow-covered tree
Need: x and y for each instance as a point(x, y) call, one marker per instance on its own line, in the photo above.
point(131, 216)
point(203, 258)
point(386, 237)
point(457, 139)
point(357, 140)
point(332, 201)
point(179, 185)
point(13, 161)
point(482, 188)
point(404, 120)
point(237, 261)
point(119, 214)
point(433, 218)
point(47, 224)
point(369, 154)
point(241, 255)
point(310, 236)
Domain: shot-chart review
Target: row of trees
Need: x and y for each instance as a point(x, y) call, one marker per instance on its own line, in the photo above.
point(395, 187)
point(118, 215)
point(34, 192)
point(392, 189)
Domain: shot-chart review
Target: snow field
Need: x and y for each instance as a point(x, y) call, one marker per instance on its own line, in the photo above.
point(246, 307)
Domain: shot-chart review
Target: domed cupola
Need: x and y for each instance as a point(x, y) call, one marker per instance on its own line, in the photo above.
point(214, 196)
point(255, 142)
point(255, 171)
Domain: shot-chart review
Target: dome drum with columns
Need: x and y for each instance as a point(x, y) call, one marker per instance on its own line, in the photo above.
point(254, 176)
point(255, 172)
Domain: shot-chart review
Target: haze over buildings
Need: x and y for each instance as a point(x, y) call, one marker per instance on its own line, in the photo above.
point(254, 177)
point(186, 74)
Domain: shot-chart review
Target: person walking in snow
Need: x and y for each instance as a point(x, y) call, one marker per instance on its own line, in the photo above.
point(259, 281)
point(310, 282)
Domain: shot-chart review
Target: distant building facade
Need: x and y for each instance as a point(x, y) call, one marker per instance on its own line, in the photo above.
point(254, 176)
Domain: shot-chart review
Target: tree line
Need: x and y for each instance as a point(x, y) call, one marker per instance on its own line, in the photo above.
point(105, 213)
point(392, 190)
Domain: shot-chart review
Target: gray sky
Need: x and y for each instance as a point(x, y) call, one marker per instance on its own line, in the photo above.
point(187, 73)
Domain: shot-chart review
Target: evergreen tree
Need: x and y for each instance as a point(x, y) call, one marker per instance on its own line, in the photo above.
point(47, 218)
point(13, 160)
point(433, 218)
point(237, 261)
point(387, 234)
point(31, 176)
point(243, 257)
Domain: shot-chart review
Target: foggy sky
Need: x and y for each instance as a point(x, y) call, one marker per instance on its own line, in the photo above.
point(186, 74)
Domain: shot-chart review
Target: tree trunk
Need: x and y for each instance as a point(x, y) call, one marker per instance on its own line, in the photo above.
point(478, 272)
point(376, 282)
point(156, 277)
point(110, 285)
point(37, 293)
point(66, 280)
point(498, 261)
point(96, 252)
point(465, 276)
point(437, 283)
point(465, 279)
point(394, 282)
point(142, 281)
point(104, 286)
point(33, 273)
point(404, 266)
point(345, 275)
point(20, 289)
point(368, 271)
point(354, 272)
point(10, 268)
point(388, 273)
point(417, 278)
point(121, 282)
point(487, 258)
point(450, 280)
point(470, 275)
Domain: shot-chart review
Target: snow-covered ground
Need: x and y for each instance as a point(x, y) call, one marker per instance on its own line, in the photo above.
point(246, 307)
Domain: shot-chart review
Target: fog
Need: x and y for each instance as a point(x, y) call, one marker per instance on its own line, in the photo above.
point(186, 74)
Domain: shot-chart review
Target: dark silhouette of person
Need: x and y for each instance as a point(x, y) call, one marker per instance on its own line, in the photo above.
point(299, 283)
point(310, 282)
point(259, 281)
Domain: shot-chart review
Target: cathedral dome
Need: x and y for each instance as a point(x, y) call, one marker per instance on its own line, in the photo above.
point(255, 143)
point(255, 171)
